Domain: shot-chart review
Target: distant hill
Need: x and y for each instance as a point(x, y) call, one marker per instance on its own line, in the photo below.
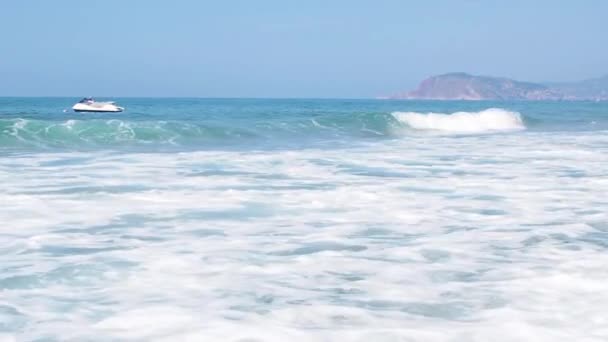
point(463, 86)
point(593, 89)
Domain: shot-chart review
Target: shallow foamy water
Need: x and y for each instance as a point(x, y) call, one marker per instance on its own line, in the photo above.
point(427, 238)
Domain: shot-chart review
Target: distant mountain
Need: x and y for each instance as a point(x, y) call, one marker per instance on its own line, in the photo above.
point(463, 86)
point(593, 89)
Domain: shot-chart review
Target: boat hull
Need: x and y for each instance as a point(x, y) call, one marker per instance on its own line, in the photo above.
point(97, 108)
point(97, 111)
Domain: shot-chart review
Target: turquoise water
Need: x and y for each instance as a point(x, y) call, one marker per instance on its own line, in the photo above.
point(345, 220)
point(186, 124)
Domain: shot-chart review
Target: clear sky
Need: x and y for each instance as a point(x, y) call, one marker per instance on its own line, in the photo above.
point(289, 48)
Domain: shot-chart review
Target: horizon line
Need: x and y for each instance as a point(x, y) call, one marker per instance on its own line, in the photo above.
point(194, 97)
point(299, 98)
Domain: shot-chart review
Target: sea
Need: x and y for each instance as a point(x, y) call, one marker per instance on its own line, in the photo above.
point(303, 220)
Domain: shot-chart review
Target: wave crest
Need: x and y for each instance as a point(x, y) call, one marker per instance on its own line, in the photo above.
point(489, 120)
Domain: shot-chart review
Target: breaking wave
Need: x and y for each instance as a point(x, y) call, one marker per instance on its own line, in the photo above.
point(489, 120)
point(95, 133)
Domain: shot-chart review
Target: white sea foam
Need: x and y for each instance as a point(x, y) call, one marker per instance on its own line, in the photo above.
point(493, 119)
point(403, 240)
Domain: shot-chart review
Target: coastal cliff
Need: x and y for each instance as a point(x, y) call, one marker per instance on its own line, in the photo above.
point(463, 86)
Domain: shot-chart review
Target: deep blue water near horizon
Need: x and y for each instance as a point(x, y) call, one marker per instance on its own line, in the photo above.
point(303, 219)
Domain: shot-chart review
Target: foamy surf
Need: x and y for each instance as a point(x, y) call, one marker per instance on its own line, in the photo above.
point(489, 120)
point(300, 220)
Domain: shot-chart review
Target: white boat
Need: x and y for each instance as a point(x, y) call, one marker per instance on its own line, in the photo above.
point(88, 104)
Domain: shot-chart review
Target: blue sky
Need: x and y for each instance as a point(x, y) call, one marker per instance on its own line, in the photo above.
point(289, 48)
